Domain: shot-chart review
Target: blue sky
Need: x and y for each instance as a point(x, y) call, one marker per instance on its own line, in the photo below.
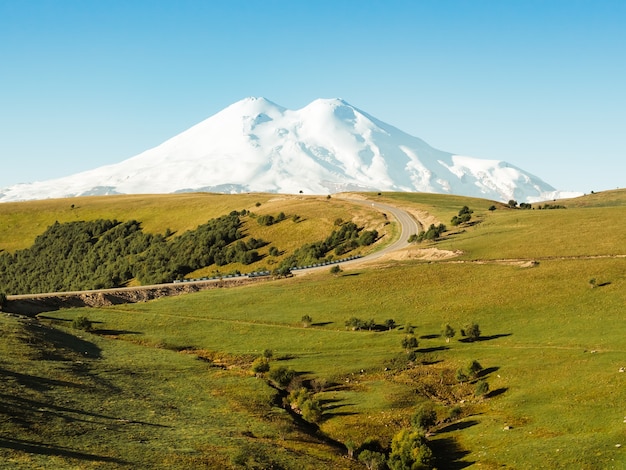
point(539, 84)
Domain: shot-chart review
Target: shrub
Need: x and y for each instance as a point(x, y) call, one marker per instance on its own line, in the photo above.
point(464, 215)
point(424, 418)
point(282, 375)
point(336, 269)
point(261, 365)
point(409, 342)
point(82, 323)
point(472, 331)
point(482, 388)
point(448, 332)
point(474, 368)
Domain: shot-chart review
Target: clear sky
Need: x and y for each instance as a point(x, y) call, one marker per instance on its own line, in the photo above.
point(540, 84)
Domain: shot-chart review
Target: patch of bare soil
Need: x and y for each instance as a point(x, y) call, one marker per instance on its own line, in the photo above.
point(425, 254)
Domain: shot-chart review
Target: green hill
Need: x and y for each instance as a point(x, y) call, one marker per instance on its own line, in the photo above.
point(170, 382)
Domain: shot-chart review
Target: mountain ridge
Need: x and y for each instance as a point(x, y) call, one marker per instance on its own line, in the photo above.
point(328, 146)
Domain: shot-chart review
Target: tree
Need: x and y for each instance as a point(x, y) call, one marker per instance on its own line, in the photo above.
point(372, 460)
point(306, 321)
point(409, 342)
point(464, 215)
point(512, 203)
point(355, 323)
point(474, 368)
point(448, 332)
point(482, 388)
point(268, 354)
point(390, 324)
point(336, 269)
point(424, 418)
point(410, 451)
point(472, 331)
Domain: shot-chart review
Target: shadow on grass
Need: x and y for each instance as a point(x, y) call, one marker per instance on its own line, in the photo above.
point(115, 332)
point(489, 370)
point(496, 392)
point(448, 454)
point(9, 404)
point(484, 338)
point(459, 425)
point(433, 349)
point(54, 344)
point(430, 336)
point(33, 447)
point(325, 323)
point(37, 383)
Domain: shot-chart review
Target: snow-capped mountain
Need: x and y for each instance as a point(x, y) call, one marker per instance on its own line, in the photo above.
point(326, 147)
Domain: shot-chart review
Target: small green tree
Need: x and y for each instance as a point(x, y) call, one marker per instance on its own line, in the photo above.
point(268, 354)
point(424, 418)
point(306, 321)
point(482, 388)
point(409, 342)
point(448, 332)
point(410, 451)
point(474, 368)
point(336, 269)
point(372, 460)
point(472, 331)
point(390, 324)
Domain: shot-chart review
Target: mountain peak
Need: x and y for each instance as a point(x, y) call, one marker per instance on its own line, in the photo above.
point(328, 146)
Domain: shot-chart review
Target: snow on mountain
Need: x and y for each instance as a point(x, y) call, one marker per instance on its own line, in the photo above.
point(326, 147)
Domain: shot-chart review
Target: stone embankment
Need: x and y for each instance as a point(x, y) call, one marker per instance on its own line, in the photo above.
point(31, 305)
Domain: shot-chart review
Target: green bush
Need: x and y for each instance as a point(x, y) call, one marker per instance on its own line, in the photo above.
point(424, 418)
point(82, 323)
point(282, 375)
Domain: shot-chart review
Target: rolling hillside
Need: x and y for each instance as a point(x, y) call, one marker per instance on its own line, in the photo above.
point(170, 381)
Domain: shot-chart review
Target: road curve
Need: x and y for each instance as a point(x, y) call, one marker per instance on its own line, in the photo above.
point(407, 224)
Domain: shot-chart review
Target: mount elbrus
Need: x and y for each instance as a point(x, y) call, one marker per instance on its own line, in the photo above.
point(328, 146)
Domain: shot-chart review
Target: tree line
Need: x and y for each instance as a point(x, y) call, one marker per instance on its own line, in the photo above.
point(108, 253)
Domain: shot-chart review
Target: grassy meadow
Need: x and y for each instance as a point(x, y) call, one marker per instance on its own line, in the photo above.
point(168, 382)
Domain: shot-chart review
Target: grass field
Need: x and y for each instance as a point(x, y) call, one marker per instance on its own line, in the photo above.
point(169, 380)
